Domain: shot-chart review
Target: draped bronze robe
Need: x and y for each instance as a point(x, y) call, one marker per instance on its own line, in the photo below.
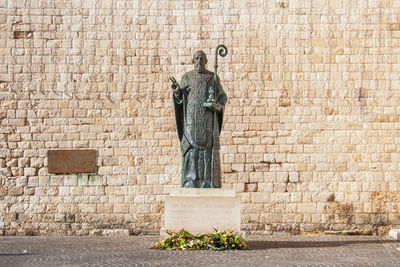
point(197, 130)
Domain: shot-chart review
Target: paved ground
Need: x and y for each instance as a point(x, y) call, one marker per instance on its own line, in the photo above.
point(135, 251)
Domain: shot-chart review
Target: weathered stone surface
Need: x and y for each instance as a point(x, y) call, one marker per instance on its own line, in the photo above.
point(16, 191)
point(311, 132)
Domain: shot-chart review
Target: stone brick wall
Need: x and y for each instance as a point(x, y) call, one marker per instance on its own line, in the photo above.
point(312, 127)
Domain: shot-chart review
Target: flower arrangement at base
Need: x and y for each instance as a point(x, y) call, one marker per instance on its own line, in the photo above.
point(217, 240)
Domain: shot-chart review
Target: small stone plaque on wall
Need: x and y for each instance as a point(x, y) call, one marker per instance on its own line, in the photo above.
point(71, 161)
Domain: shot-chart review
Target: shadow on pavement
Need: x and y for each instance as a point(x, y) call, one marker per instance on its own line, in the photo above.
point(15, 254)
point(261, 245)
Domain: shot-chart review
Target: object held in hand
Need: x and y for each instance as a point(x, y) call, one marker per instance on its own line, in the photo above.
point(175, 85)
point(213, 106)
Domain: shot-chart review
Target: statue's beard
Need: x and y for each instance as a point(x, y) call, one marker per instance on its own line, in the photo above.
point(199, 67)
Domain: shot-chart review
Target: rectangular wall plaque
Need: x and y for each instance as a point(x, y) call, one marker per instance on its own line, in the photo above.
point(71, 161)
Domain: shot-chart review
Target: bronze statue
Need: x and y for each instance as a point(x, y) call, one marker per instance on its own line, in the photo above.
point(199, 107)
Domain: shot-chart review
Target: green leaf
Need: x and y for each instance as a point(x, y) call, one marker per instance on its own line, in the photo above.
point(217, 240)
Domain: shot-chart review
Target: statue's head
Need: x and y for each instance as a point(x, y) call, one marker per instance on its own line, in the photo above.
point(199, 61)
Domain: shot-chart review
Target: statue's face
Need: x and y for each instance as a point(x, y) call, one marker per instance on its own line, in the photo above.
point(199, 61)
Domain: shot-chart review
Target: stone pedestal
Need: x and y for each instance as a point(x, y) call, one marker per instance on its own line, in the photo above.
point(201, 210)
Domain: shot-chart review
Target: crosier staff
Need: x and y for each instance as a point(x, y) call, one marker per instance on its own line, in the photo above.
point(222, 51)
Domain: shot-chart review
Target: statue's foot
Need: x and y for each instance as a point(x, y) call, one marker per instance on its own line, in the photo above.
point(204, 185)
point(188, 184)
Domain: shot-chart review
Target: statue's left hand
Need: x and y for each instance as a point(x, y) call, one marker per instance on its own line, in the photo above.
point(213, 106)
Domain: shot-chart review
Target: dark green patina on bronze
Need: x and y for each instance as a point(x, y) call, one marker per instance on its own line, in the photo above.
point(199, 103)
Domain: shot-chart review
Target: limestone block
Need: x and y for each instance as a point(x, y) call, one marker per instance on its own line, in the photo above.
point(59, 217)
point(362, 218)
point(63, 191)
point(87, 208)
point(294, 177)
point(70, 180)
point(21, 181)
point(12, 162)
point(105, 208)
point(56, 180)
point(307, 207)
point(33, 181)
point(9, 217)
point(76, 191)
point(89, 191)
point(202, 210)
point(121, 208)
point(30, 171)
point(95, 180)
point(16, 191)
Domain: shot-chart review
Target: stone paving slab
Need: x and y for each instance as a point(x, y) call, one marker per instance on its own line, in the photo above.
point(282, 250)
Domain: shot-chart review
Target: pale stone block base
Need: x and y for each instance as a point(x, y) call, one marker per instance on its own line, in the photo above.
point(395, 234)
point(200, 210)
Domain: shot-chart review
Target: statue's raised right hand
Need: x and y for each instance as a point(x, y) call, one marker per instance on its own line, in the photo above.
point(175, 85)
